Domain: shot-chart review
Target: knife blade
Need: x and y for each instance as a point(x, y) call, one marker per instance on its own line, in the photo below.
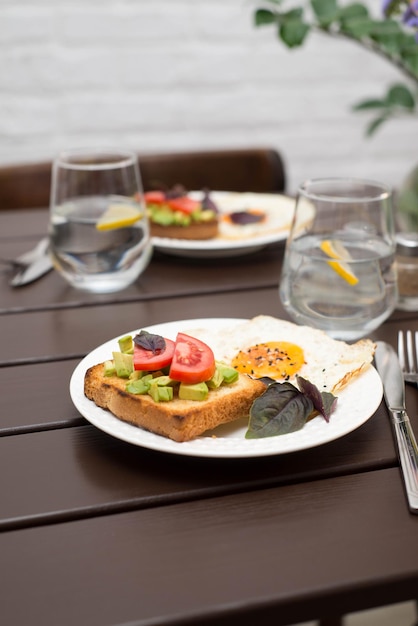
point(390, 371)
point(36, 262)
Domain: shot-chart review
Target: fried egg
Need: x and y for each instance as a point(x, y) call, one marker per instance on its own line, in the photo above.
point(267, 346)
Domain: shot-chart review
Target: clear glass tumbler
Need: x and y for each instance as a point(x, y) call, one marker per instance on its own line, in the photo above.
point(99, 232)
point(339, 270)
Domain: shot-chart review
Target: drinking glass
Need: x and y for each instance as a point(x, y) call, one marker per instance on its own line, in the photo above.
point(98, 230)
point(339, 266)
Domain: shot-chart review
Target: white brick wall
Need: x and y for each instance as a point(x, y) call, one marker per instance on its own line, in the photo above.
point(172, 75)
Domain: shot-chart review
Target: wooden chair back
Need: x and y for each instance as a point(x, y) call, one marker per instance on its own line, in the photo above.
point(253, 169)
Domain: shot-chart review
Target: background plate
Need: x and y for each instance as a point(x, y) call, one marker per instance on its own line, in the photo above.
point(356, 404)
point(237, 240)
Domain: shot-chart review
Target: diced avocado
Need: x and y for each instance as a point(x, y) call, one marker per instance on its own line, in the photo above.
point(137, 374)
point(165, 394)
point(166, 217)
point(109, 368)
point(123, 364)
point(139, 386)
point(229, 373)
point(203, 216)
point(181, 219)
point(216, 380)
point(161, 215)
point(126, 344)
point(207, 216)
point(160, 394)
point(198, 391)
point(163, 381)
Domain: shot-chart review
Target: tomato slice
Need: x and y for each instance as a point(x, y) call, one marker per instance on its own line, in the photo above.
point(193, 360)
point(155, 197)
point(149, 360)
point(184, 204)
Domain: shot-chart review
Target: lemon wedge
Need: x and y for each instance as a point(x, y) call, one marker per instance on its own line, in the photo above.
point(118, 216)
point(335, 250)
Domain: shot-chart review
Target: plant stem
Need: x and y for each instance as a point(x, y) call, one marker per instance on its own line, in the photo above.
point(371, 46)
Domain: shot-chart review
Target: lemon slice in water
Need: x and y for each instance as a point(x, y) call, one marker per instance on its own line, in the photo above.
point(118, 216)
point(335, 250)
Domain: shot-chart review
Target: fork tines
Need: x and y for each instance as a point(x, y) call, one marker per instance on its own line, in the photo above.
point(408, 354)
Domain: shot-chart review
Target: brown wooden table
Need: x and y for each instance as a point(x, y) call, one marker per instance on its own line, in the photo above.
point(95, 531)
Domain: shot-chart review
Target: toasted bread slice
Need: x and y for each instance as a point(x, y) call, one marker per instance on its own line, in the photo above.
point(180, 420)
point(195, 230)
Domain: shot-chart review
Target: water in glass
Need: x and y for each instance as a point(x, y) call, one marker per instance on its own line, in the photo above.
point(342, 280)
point(92, 255)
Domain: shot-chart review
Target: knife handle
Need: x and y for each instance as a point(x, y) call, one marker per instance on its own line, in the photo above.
point(408, 456)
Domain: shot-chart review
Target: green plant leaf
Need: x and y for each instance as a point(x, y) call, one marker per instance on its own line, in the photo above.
point(293, 29)
point(353, 11)
point(388, 35)
point(354, 20)
point(410, 58)
point(326, 11)
point(263, 17)
point(375, 124)
point(372, 103)
point(358, 27)
point(401, 96)
point(395, 7)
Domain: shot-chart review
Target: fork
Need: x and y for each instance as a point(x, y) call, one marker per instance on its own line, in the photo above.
point(408, 355)
point(12, 264)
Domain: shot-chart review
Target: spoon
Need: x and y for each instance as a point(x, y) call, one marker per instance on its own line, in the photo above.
point(31, 265)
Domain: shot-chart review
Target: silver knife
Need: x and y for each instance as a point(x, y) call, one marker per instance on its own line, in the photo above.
point(390, 371)
point(36, 263)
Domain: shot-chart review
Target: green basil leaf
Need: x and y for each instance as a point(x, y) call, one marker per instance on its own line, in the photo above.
point(281, 409)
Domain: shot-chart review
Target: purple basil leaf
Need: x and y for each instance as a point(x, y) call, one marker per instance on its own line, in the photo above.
point(324, 402)
point(178, 191)
point(246, 217)
point(207, 202)
point(281, 409)
point(267, 380)
point(149, 341)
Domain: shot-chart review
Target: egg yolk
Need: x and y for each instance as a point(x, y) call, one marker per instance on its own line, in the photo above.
point(277, 359)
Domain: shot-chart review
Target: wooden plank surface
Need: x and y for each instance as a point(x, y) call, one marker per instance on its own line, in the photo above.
point(118, 534)
point(36, 397)
point(23, 224)
point(80, 471)
point(273, 556)
point(165, 277)
point(75, 331)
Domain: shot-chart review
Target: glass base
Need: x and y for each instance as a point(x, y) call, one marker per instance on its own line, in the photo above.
point(107, 282)
point(407, 303)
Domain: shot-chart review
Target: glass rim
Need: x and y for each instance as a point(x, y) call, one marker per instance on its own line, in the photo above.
point(378, 191)
point(97, 158)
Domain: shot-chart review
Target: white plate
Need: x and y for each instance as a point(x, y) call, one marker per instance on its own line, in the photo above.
point(237, 240)
point(356, 404)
